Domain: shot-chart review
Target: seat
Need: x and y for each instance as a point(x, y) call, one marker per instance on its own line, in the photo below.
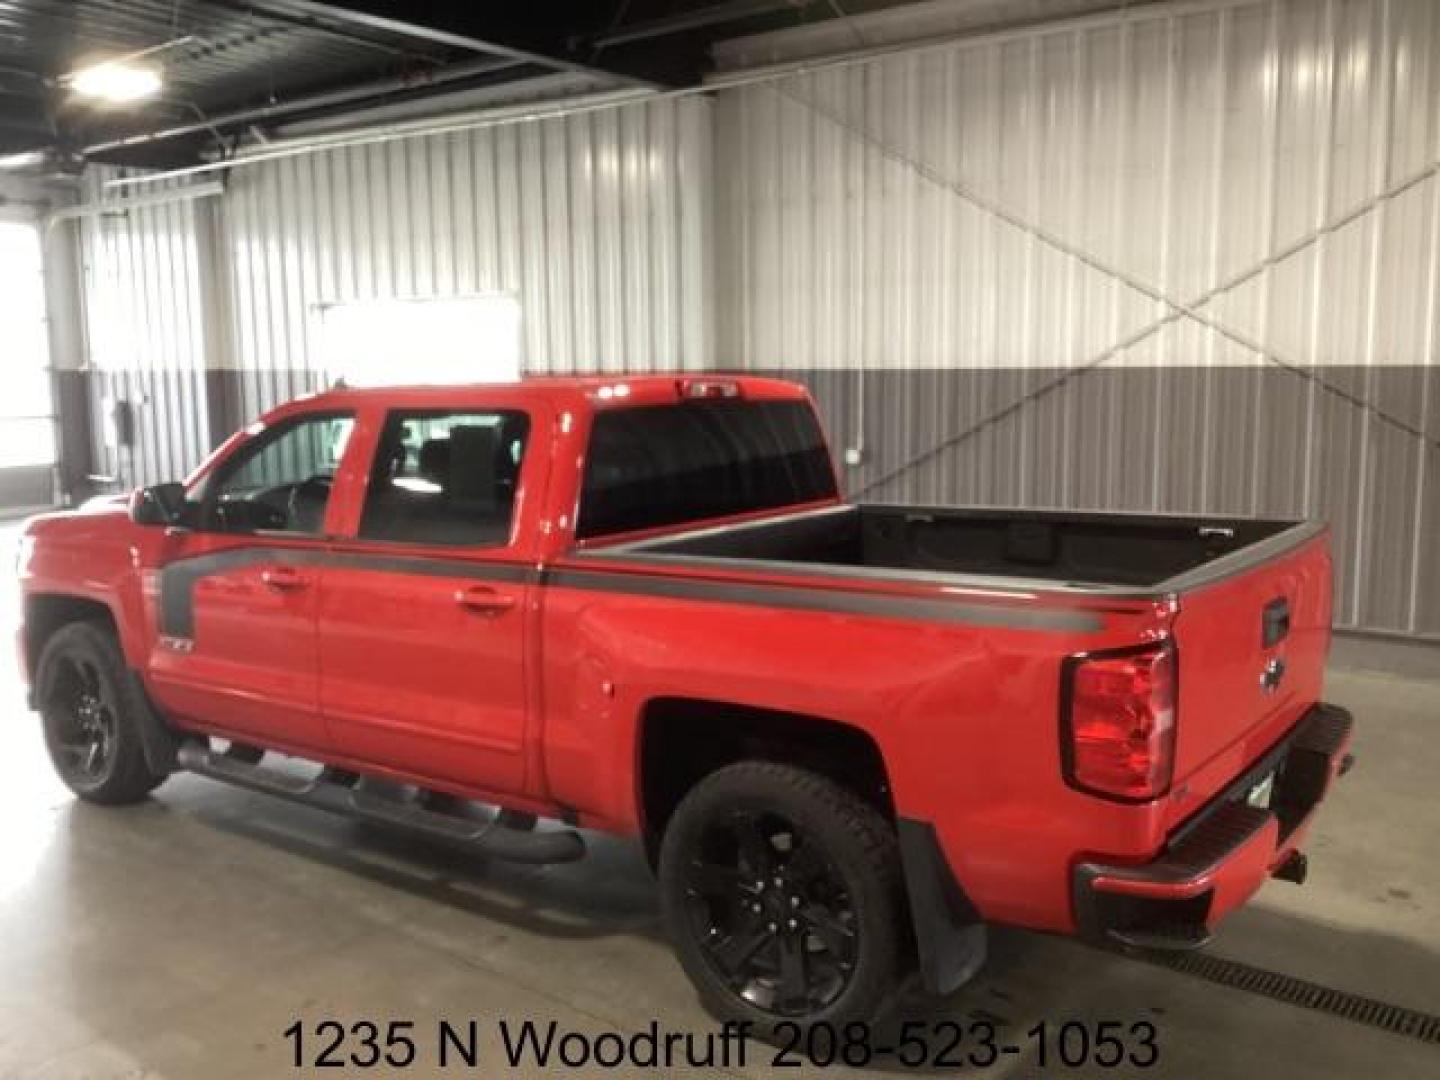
point(434, 461)
point(473, 479)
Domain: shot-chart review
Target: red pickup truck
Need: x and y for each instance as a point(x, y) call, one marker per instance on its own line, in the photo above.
point(848, 735)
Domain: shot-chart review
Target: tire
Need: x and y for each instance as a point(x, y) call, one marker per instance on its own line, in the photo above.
point(853, 922)
point(91, 711)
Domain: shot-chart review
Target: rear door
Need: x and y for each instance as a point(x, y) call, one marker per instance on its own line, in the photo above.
point(1252, 650)
point(423, 607)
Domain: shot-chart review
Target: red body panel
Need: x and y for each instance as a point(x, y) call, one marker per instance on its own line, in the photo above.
point(1221, 657)
point(521, 673)
point(257, 671)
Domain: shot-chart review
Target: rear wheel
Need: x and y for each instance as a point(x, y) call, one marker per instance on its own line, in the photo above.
point(782, 893)
point(90, 712)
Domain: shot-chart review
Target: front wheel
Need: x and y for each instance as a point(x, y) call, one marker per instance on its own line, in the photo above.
point(90, 711)
point(781, 891)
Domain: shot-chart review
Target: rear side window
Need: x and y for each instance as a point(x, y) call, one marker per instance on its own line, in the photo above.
point(445, 478)
point(657, 465)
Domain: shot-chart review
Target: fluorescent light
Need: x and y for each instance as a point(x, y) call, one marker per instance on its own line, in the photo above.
point(117, 82)
point(25, 159)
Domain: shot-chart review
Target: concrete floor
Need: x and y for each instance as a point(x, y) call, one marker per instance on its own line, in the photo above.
point(181, 937)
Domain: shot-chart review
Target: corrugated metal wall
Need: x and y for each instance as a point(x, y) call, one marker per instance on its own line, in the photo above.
point(596, 222)
point(146, 334)
point(1182, 150)
point(599, 224)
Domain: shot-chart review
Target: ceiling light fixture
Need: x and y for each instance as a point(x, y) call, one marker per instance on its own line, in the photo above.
point(117, 82)
point(24, 159)
point(121, 80)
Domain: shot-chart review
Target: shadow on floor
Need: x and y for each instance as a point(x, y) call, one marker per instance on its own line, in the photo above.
point(1029, 977)
point(610, 892)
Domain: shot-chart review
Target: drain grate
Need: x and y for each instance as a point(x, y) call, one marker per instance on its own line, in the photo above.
point(1396, 1019)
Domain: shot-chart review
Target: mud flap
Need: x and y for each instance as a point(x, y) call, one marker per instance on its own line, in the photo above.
point(158, 740)
point(949, 933)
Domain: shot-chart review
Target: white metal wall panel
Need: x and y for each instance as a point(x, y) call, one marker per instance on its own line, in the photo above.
point(596, 222)
point(146, 339)
point(1181, 147)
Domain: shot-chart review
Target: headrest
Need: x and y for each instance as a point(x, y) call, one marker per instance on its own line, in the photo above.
point(472, 462)
point(390, 460)
point(435, 460)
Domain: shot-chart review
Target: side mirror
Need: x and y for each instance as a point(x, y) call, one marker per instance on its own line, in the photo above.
point(159, 504)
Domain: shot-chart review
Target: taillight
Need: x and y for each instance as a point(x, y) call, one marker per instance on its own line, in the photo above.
point(1118, 722)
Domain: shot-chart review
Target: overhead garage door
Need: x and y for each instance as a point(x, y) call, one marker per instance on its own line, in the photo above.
point(27, 414)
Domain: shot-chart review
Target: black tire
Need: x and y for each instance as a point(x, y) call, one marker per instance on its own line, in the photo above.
point(91, 711)
point(853, 932)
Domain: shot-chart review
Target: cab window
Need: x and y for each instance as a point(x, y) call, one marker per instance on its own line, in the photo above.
point(443, 477)
point(281, 481)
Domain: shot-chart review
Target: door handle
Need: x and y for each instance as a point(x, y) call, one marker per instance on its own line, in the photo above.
point(484, 599)
point(283, 577)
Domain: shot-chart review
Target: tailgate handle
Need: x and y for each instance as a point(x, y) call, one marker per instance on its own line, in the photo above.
point(1275, 622)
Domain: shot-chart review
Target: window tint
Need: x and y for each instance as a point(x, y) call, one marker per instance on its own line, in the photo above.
point(281, 481)
point(659, 465)
point(445, 478)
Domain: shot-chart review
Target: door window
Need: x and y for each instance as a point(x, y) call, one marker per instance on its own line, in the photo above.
point(445, 478)
point(281, 482)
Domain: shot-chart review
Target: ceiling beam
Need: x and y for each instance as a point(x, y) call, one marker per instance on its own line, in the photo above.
point(716, 14)
point(339, 99)
point(397, 20)
point(355, 35)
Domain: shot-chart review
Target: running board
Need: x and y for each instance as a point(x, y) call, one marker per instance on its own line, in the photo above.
point(493, 838)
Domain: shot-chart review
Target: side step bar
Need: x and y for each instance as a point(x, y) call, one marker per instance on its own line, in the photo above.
point(494, 838)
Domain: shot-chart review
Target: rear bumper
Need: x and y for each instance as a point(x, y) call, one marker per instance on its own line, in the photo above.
point(1220, 857)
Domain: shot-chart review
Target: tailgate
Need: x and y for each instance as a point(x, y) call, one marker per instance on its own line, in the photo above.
point(1252, 646)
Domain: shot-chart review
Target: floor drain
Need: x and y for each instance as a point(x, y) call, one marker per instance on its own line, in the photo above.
point(1396, 1019)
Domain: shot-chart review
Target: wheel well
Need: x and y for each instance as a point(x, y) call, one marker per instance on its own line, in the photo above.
point(683, 740)
point(44, 614)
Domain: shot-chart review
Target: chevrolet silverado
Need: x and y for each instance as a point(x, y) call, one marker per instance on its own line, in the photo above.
point(848, 735)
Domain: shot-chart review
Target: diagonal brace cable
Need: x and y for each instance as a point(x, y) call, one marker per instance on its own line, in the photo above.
point(1177, 309)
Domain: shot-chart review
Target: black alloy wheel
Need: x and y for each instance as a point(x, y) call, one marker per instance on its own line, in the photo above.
point(82, 714)
point(772, 914)
point(90, 706)
point(781, 891)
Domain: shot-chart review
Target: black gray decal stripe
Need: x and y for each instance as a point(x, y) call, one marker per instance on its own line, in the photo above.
point(177, 589)
point(833, 601)
point(430, 566)
point(177, 580)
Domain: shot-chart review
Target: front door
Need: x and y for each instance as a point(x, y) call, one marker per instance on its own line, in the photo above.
point(422, 615)
point(236, 598)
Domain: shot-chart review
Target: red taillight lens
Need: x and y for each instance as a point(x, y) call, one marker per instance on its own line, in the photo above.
point(1119, 723)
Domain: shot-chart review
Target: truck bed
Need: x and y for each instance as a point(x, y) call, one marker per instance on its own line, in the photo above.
point(1074, 549)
